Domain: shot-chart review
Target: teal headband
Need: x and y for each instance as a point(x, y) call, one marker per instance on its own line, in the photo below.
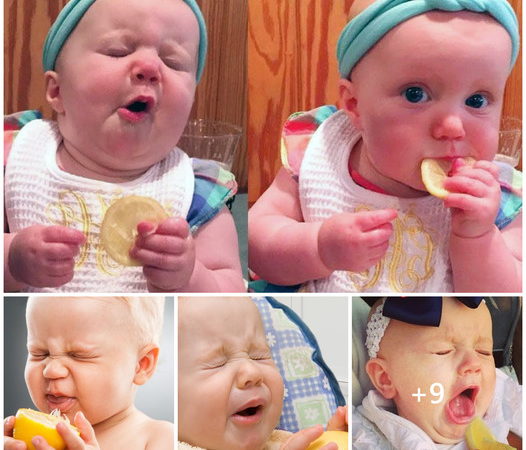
point(366, 29)
point(74, 10)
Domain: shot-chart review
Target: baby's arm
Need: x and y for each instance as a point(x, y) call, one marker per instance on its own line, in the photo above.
point(176, 261)
point(483, 259)
point(40, 256)
point(283, 249)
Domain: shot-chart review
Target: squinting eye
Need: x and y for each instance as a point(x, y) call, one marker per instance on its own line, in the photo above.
point(443, 352)
point(477, 101)
point(415, 94)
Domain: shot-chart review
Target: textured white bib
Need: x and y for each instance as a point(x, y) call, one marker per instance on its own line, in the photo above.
point(37, 192)
point(418, 256)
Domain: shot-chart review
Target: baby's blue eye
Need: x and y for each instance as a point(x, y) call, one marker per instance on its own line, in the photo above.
point(415, 94)
point(477, 101)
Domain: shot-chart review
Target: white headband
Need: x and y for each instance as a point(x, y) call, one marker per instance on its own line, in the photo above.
point(375, 330)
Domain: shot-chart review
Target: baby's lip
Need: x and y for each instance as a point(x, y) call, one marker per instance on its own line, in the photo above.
point(250, 407)
point(460, 408)
point(59, 401)
point(137, 108)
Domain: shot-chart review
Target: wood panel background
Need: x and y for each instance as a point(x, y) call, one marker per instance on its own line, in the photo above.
point(221, 95)
point(292, 67)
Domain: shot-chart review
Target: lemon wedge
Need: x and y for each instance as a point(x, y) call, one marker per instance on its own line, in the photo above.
point(30, 423)
point(341, 438)
point(118, 230)
point(435, 171)
point(480, 437)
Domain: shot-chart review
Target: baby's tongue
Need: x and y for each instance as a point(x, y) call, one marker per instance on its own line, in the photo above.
point(462, 409)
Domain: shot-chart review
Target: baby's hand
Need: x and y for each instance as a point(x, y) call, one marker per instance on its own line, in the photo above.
point(340, 420)
point(44, 256)
point(86, 440)
point(303, 438)
point(167, 253)
point(9, 442)
point(474, 197)
point(355, 241)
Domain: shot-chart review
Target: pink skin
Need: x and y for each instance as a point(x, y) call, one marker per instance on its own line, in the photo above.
point(474, 199)
point(344, 236)
point(167, 254)
point(43, 256)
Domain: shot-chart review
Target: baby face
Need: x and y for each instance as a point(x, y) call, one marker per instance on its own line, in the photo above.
point(230, 391)
point(80, 350)
point(457, 354)
point(126, 83)
point(431, 88)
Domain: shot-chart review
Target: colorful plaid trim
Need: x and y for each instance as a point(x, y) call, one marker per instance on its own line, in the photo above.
point(213, 187)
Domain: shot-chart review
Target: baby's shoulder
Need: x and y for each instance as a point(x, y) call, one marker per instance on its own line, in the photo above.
point(159, 434)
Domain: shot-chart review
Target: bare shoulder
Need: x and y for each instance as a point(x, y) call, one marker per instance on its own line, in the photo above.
point(160, 435)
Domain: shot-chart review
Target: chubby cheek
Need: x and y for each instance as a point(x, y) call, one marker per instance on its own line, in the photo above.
point(35, 384)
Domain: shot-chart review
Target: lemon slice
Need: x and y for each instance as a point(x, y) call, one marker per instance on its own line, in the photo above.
point(30, 423)
point(341, 438)
point(480, 437)
point(118, 230)
point(435, 171)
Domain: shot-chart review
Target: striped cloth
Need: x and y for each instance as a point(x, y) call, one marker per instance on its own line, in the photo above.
point(213, 185)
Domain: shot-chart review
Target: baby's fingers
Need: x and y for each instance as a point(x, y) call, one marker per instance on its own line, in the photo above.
point(302, 439)
point(12, 444)
point(379, 219)
point(86, 430)
point(9, 424)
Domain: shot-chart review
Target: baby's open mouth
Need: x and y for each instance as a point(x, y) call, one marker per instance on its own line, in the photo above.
point(247, 412)
point(139, 106)
point(461, 408)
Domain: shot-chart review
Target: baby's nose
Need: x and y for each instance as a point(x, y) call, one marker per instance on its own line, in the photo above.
point(54, 368)
point(449, 126)
point(146, 71)
point(248, 374)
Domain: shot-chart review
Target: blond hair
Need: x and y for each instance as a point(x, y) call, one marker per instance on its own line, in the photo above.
point(146, 313)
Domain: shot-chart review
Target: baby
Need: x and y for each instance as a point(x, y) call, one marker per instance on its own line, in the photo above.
point(121, 77)
point(445, 351)
point(230, 390)
point(349, 212)
point(87, 355)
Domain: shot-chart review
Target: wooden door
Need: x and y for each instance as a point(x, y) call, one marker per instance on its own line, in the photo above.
point(292, 67)
point(221, 94)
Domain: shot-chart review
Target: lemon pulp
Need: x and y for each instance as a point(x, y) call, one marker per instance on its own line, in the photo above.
point(480, 437)
point(341, 438)
point(30, 423)
point(118, 230)
point(435, 171)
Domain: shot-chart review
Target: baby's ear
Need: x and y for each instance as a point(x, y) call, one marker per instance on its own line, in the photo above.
point(146, 364)
point(349, 102)
point(376, 369)
point(53, 97)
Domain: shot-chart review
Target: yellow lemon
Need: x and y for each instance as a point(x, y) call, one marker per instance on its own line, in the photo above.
point(435, 171)
point(480, 437)
point(341, 438)
point(30, 423)
point(118, 230)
